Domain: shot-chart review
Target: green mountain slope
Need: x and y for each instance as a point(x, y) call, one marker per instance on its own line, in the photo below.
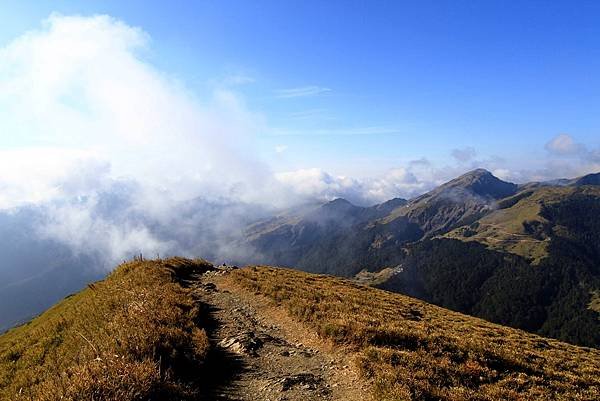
point(520, 226)
point(533, 265)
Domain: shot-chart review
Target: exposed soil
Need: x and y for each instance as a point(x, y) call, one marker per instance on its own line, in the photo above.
point(260, 353)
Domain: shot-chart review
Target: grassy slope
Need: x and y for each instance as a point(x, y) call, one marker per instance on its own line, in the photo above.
point(414, 350)
point(124, 338)
point(503, 229)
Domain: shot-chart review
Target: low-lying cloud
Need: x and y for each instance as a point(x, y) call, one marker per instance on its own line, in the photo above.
point(119, 157)
point(87, 112)
point(318, 184)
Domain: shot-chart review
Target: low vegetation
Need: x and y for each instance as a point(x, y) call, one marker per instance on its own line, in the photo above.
point(413, 350)
point(133, 336)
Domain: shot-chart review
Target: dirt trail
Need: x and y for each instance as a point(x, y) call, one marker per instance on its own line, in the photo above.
point(260, 354)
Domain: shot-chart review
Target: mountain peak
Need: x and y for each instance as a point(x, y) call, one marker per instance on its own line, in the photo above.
point(339, 202)
point(339, 205)
point(335, 209)
point(391, 204)
point(483, 183)
point(477, 174)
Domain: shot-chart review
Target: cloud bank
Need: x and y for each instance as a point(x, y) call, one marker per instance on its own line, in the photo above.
point(120, 157)
point(87, 112)
point(81, 92)
point(318, 184)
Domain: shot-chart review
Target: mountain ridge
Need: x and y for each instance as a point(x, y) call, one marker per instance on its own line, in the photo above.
point(531, 226)
point(344, 239)
point(184, 329)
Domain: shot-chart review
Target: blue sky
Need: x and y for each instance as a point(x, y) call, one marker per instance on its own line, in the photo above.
point(358, 87)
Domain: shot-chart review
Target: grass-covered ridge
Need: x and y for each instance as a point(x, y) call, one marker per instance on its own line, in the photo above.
point(414, 350)
point(132, 336)
point(518, 225)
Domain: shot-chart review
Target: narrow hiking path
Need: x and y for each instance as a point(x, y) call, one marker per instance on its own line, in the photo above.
point(261, 354)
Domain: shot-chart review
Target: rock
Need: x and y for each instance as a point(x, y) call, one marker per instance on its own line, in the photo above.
point(306, 381)
point(244, 343)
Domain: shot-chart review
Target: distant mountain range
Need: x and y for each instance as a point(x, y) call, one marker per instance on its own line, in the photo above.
point(526, 255)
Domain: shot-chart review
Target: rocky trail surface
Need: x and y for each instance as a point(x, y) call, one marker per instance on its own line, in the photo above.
point(260, 354)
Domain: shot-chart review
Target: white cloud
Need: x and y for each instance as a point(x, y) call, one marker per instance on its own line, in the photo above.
point(502, 173)
point(304, 91)
point(568, 158)
point(85, 231)
point(80, 84)
point(82, 110)
point(35, 175)
point(317, 184)
point(563, 144)
point(565, 158)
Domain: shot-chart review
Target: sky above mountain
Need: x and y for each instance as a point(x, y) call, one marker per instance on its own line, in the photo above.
point(274, 101)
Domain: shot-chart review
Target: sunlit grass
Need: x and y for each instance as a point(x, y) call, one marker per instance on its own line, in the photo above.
point(128, 337)
point(412, 350)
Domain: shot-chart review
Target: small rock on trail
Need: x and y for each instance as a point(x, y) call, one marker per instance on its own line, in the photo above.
point(245, 343)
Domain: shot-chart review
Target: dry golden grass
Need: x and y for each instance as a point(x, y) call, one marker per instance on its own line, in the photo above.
point(132, 336)
point(415, 351)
